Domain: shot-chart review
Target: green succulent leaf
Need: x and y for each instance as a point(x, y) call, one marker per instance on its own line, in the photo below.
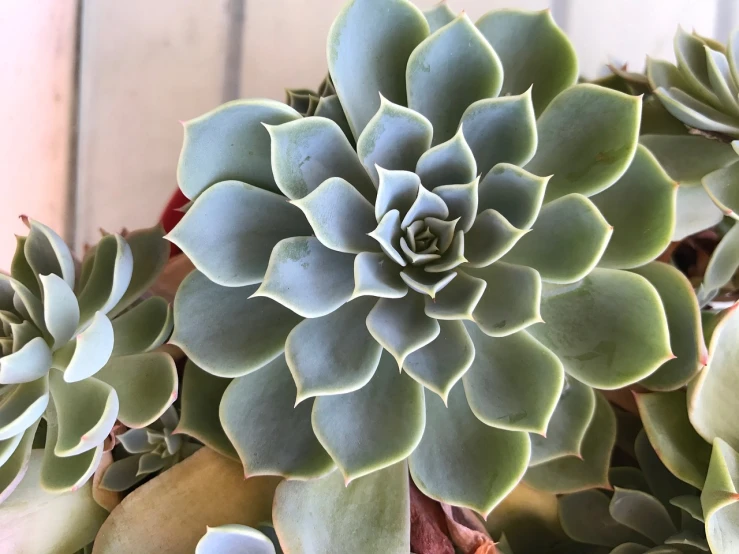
point(461, 199)
point(501, 130)
point(529, 45)
point(27, 305)
point(711, 403)
point(514, 192)
point(681, 449)
point(721, 186)
point(370, 514)
point(453, 461)
point(28, 363)
point(695, 113)
point(442, 362)
point(684, 322)
point(375, 426)
point(146, 385)
point(586, 518)
point(643, 513)
point(449, 163)
point(89, 352)
point(80, 431)
point(143, 328)
point(375, 277)
point(333, 354)
point(401, 326)
point(224, 330)
point(490, 237)
point(258, 407)
point(568, 239)
point(46, 253)
point(340, 216)
point(572, 473)
point(308, 151)
point(150, 255)
point(724, 261)
point(136, 441)
point(368, 47)
point(22, 271)
point(233, 247)
point(61, 311)
point(451, 69)
point(573, 147)
point(123, 474)
point(693, 65)
point(236, 539)
point(201, 397)
point(609, 330)
point(457, 300)
point(397, 190)
point(231, 143)
point(307, 277)
point(438, 16)
point(22, 406)
point(719, 499)
point(641, 208)
point(15, 466)
point(330, 108)
point(567, 426)
point(628, 478)
point(69, 473)
point(514, 382)
point(663, 74)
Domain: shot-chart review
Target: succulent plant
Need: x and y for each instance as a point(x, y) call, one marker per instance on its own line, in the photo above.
point(305, 101)
point(236, 539)
point(649, 510)
point(77, 351)
point(473, 207)
point(152, 449)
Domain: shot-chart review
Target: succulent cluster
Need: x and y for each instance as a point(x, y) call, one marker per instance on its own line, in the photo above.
point(77, 350)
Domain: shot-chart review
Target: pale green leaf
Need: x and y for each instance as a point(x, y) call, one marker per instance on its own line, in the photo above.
point(724, 261)
point(270, 434)
point(69, 473)
point(695, 113)
point(491, 237)
point(643, 513)
point(47, 253)
point(426, 283)
point(122, 474)
point(426, 204)
point(457, 300)
point(32, 361)
point(376, 276)
point(21, 270)
point(143, 328)
point(397, 190)
point(450, 70)
point(15, 467)
point(330, 108)
point(235, 539)
point(449, 163)
point(461, 199)
point(89, 352)
point(514, 192)
point(693, 65)
point(722, 186)
point(439, 15)
point(231, 142)
point(719, 499)
point(22, 405)
point(61, 311)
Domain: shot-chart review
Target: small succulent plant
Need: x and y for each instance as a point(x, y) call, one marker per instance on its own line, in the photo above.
point(152, 449)
point(649, 510)
point(306, 101)
point(472, 207)
point(77, 350)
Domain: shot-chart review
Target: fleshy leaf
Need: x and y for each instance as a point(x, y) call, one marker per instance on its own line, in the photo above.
point(236, 539)
point(368, 47)
point(695, 113)
point(340, 216)
point(442, 362)
point(457, 300)
point(724, 261)
point(609, 330)
point(68, 473)
point(371, 514)
point(568, 425)
point(333, 354)
point(143, 328)
point(687, 158)
point(201, 397)
point(375, 275)
point(681, 449)
point(426, 204)
point(573, 147)
point(395, 138)
point(308, 151)
point(330, 108)
point(459, 459)
point(693, 65)
point(258, 407)
point(230, 142)
point(449, 163)
point(123, 474)
point(567, 241)
point(375, 426)
point(231, 229)
point(450, 70)
point(501, 130)
point(61, 311)
point(461, 199)
point(722, 187)
point(401, 326)
point(397, 190)
point(641, 208)
point(439, 15)
point(490, 238)
point(22, 406)
point(224, 330)
point(643, 513)
point(711, 401)
point(46, 253)
point(514, 192)
point(571, 473)
point(21, 270)
point(511, 299)
point(529, 45)
point(32, 361)
point(146, 385)
point(719, 499)
point(514, 382)
point(308, 278)
point(684, 322)
point(15, 467)
point(81, 431)
point(89, 352)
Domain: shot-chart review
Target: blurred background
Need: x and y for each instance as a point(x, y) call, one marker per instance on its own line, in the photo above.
point(93, 90)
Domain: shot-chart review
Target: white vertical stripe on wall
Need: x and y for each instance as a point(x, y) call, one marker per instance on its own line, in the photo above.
point(626, 31)
point(37, 53)
point(145, 65)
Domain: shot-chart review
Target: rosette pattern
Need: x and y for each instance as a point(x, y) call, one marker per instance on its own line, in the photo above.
point(77, 350)
point(473, 206)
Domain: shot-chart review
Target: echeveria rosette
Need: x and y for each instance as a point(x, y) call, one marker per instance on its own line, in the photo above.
point(151, 449)
point(648, 510)
point(473, 206)
point(77, 349)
